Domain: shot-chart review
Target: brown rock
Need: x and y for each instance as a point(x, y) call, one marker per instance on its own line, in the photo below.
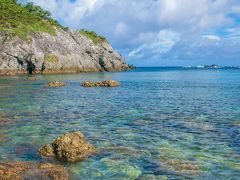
point(88, 84)
point(70, 147)
point(28, 170)
point(5, 121)
point(56, 84)
point(109, 83)
point(46, 150)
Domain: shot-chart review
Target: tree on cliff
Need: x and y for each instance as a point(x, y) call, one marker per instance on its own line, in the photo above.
point(38, 11)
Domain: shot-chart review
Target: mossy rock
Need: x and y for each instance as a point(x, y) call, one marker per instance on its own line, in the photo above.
point(51, 58)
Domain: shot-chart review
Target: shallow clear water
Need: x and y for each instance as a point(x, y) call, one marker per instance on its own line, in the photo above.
point(156, 116)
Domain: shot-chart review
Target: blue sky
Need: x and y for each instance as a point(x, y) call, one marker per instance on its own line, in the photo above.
point(159, 32)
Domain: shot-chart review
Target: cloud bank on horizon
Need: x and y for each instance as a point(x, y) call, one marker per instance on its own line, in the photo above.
point(159, 32)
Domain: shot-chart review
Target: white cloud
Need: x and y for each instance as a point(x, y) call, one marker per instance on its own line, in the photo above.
point(152, 27)
point(212, 37)
point(70, 12)
point(155, 43)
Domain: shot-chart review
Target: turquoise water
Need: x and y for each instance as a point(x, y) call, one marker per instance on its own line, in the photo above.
point(190, 117)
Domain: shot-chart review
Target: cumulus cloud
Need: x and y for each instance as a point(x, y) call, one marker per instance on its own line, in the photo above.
point(153, 29)
point(212, 37)
point(163, 42)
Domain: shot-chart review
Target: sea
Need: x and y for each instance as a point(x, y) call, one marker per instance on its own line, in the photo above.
point(161, 123)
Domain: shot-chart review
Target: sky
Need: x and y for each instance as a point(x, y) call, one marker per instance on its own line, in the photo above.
point(158, 32)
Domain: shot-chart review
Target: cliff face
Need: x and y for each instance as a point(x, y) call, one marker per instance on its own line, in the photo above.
point(60, 53)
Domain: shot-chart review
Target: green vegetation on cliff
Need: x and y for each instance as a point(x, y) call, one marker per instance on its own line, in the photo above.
point(21, 20)
point(93, 36)
point(51, 58)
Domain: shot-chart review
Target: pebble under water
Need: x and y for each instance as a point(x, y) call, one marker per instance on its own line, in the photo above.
point(161, 123)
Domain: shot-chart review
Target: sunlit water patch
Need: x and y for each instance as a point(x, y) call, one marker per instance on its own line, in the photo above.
point(160, 123)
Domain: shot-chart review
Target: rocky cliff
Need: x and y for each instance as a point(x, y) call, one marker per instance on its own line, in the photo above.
point(65, 51)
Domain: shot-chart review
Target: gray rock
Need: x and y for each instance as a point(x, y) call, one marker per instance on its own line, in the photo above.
point(67, 52)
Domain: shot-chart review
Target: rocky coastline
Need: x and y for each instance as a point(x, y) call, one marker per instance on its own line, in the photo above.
point(65, 52)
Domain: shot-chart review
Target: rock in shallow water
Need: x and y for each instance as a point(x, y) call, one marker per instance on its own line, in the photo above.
point(70, 147)
point(56, 84)
point(28, 170)
point(31, 79)
point(116, 168)
point(182, 167)
point(108, 83)
point(153, 177)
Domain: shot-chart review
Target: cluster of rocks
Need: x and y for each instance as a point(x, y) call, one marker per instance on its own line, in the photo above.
point(29, 170)
point(109, 83)
point(70, 147)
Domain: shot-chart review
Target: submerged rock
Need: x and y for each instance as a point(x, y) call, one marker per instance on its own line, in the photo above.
point(153, 177)
point(182, 167)
point(56, 84)
point(120, 167)
point(70, 147)
point(127, 152)
point(31, 79)
point(5, 121)
point(28, 170)
point(108, 83)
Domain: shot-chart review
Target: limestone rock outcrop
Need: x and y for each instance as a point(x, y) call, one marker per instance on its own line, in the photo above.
point(64, 52)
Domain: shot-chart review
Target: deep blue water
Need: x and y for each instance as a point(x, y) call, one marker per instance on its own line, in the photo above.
point(161, 123)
